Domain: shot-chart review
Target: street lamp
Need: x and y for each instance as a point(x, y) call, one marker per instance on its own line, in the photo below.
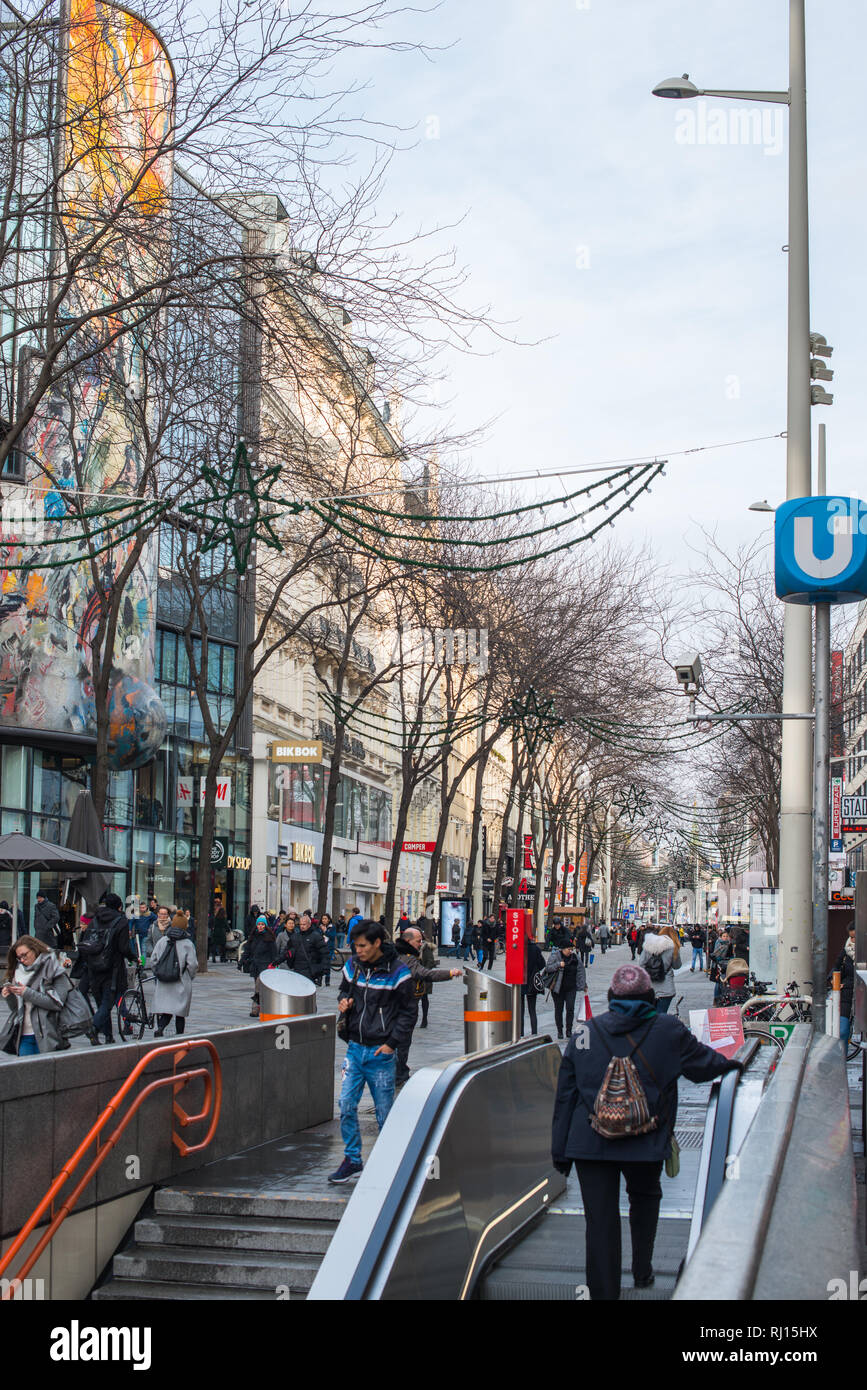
point(796, 789)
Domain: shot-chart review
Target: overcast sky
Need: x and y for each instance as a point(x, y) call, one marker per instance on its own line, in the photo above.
point(645, 251)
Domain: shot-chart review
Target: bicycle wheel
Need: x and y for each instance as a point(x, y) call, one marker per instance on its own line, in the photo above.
point(853, 1050)
point(132, 1016)
point(764, 1035)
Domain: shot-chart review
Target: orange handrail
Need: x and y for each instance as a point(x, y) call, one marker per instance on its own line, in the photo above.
point(213, 1101)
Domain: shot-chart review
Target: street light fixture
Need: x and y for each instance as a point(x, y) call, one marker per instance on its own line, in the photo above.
point(763, 506)
point(796, 771)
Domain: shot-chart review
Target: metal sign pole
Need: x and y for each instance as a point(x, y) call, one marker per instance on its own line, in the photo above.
point(821, 788)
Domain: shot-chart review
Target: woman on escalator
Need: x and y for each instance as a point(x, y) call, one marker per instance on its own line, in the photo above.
point(614, 1117)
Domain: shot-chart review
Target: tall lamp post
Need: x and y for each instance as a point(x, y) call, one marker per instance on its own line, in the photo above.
point(794, 958)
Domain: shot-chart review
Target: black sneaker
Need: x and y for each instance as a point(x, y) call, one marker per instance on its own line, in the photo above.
point(647, 1283)
point(347, 1170)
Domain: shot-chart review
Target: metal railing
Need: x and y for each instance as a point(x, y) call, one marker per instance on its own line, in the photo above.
point(177, 1080)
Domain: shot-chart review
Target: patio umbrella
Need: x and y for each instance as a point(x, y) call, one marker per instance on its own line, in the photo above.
point(85, 837)
point(25, 852)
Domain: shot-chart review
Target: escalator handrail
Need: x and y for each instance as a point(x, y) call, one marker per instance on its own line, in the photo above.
point(443, 1091)
point(715, 1145)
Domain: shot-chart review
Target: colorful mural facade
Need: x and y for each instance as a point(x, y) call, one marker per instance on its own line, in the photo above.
point(84, 448)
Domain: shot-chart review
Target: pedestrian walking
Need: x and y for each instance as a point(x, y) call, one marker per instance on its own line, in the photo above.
point(259, 954)
point(478, 947)
point(305, 951)
point(585, 1131)
point(45, 920)
point(5, 928)
point(329, 936)
point(174, 966)
point(36, 989)
point(489, 943)
point(535, 965)
point(569, 981)
point(660, 957)
point(428, 960)
point(218, 928)
point(632, 938)
point(143, 924)
point(844, 965)
point(105, 947)
point(583, 943)
point(695, 936)
point(467, 940)
point(604, 937)
point(159, 927)
point(376, 998)
point(409, 947)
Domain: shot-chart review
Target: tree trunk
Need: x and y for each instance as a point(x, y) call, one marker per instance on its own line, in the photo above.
point(552, 896)
point(447, 797)
point(475, 833)
point(204, 900)
point(400, 831)
point(501, 855)
point(330, 812)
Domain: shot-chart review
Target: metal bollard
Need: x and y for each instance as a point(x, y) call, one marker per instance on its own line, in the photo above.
point(832, 1014)
point(487, 1012)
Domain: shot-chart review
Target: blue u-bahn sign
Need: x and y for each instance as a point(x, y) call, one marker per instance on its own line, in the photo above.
point(820, 550)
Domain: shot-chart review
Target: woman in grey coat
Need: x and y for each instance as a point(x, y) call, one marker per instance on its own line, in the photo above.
point(174, 996)
point(35, 989)
point(660, 957)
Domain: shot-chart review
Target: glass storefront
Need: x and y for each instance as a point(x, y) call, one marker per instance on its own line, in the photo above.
point(149, 827)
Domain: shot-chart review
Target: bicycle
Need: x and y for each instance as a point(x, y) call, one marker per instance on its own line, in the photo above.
point(133, 1016)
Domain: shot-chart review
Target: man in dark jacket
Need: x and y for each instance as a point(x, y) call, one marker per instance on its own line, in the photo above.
point(409, 947)
point(489, 942)
point(45, 920)
point(219, 925)
point(569, 981)
point(105, 948)
point(662, 1050)
point(305, 950)
point(376, 991)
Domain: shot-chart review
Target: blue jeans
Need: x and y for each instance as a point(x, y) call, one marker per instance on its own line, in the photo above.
point(27, 1046)
point(697, 955)
point(361, 1068)
point(845, 1028)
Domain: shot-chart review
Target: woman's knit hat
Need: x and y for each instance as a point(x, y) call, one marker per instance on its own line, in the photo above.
point(631, 980)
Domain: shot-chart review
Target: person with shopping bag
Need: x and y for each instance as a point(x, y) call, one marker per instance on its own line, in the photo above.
point(568, 981)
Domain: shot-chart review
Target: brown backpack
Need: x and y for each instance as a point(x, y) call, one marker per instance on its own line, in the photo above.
point(621, 1110)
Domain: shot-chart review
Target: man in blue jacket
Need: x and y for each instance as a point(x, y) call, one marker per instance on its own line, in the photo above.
point(376, 991)
point(662, 1050)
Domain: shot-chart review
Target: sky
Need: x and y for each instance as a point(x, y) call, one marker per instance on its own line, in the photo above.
point(641, 256)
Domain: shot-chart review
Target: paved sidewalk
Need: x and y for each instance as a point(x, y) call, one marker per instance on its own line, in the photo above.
point(221, 999)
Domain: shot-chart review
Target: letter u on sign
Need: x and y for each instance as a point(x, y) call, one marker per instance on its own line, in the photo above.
point(820, 552)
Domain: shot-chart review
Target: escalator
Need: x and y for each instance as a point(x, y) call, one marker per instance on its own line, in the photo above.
point(459, 1201)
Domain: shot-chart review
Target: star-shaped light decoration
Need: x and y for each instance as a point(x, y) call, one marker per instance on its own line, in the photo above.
point(531, 718)
point(634, 804)
point(240, 519)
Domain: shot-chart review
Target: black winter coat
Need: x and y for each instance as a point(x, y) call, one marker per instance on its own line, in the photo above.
point(45, 922)
point(121, 950)
point(671, 1051)
point(535, 964)
point(260, 951)
point(306, 953)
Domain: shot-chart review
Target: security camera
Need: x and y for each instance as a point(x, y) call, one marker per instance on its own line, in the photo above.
point(688, 672)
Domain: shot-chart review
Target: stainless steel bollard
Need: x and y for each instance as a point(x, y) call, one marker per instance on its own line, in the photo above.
point(285, 994)
point(487, 1012)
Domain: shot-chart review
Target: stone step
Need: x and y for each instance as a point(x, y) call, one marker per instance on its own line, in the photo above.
point(231, 1269)
point(117, 1290)
point(228, 1233)
point(293, 1206)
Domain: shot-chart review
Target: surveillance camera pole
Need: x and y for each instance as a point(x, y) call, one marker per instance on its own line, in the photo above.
point(794, 959)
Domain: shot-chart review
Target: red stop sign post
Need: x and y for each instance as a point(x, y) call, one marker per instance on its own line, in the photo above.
point(516, 962)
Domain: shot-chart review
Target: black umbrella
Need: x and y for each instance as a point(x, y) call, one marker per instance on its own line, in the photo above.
point(85, 837)
point(25, 852)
